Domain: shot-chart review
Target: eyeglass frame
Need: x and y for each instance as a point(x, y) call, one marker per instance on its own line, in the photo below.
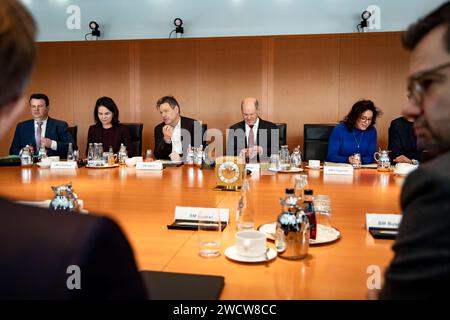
point(416, 90)
point(365, 119)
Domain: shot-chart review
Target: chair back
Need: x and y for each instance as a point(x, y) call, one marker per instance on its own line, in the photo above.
point(73, 131)
point(282, 128)
point(316, 141)
point(136, 138)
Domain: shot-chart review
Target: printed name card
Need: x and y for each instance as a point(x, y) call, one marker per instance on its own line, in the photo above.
point(253, 167)
point(386, 221)
point(63, 165)
point(154, 165)
point(192, 213)
point(342, 170)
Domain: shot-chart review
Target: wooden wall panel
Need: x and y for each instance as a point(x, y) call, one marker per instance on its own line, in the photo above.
point(298, 79)
point(100, 69)
point(374, 68)
point(228, 71)
point(305, 83)
point(52, 75)
point(165, 68)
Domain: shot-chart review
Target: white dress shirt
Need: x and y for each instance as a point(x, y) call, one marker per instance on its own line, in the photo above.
point(176, 139)
point(255, 131)
point(54, 145)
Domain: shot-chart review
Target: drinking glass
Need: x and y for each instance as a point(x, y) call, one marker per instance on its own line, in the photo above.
point(322, 206)
point(209, 233)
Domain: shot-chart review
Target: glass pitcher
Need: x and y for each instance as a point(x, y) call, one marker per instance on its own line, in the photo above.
point(26, 157)
point(65, 199)
point(296, 158)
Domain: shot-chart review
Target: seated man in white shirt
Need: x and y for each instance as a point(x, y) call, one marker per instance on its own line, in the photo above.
point(42, 130)
point(175, 133)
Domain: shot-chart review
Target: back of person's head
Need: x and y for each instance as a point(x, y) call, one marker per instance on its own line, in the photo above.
point(417, 31)
point(40, 96)
point(357, 110)
point(17, 49)
point(109, 104)
point(169, 100)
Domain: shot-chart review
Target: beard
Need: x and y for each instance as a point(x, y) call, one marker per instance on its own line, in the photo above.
point(430, 140)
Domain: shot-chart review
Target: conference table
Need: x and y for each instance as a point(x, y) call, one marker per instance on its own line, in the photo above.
point(143, 203)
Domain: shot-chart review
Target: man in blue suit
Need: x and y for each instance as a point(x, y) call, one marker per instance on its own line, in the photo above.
point(42, 130)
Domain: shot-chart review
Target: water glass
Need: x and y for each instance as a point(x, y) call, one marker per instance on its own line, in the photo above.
point(356, 160)
point(322, 206)
point(209, 233)
point(275, 163)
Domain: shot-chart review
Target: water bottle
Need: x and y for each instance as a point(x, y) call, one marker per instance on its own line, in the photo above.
point(42, 154)
point(123, 155)
point(70, 156)
point(190, 155)
point(90, 155)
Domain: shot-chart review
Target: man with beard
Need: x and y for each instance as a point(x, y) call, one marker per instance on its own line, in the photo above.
point(420, 268)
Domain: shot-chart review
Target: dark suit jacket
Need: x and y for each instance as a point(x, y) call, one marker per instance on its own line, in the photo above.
point(402, 140)
point(193, 127)
point(56, 130)
point(265, 130)
point(37, 246)
point(420, 268)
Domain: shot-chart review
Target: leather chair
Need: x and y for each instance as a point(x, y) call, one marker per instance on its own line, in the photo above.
point(316, 141)
point(136, 138)
point(282, 128)
point(204, 141)
point(74, 133)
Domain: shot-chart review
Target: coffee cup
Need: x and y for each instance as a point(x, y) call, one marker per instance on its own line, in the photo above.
point(404, 168)
point(314, 163)
point(250, 243)
point(54, 158)
point(130, 162)
point(138, 159)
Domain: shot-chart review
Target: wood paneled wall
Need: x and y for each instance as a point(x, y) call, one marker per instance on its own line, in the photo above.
point(298, 79)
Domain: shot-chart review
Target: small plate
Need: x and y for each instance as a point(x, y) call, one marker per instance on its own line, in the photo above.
point(314, 168)
point(103, 167)
point(292, 170)
point(325, 234)
point(231, 253)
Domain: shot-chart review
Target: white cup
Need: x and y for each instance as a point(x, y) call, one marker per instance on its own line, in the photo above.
point(314, 163)
point(404, 168)
point(54, 158)
point(138, 159)
point(130, 162)
point(46, 162)
point(250, 243)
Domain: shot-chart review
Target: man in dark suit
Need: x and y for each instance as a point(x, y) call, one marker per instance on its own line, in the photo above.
point(403, 142)
point(175, 133)
point(42, 130)
point(43, 254)
point(254, 138)
point(420, 268)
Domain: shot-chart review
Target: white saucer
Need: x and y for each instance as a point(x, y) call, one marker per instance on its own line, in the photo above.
point(231, 253)
point(292, 170)
point(325, 234)
point(314, 168)
point(103, 167)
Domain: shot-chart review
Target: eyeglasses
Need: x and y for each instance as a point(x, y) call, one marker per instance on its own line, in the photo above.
point(37, 107)
point(419, 83)
point(365, 119)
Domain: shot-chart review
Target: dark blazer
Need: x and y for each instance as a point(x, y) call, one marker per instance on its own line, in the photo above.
point(420, 268)
point(235, 145)
point(163, 149)
point(56, 130)
point(403, 140)
point(37, 246)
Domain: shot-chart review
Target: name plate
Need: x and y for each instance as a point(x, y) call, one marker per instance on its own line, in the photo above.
point(342, 170)
point(154, 165)
point(192, 213)
point(253, 167)
point(385, 221)
point(63, 165)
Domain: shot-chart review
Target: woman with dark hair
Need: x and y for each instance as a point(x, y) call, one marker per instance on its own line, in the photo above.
point(355, 134)
point(107, 129)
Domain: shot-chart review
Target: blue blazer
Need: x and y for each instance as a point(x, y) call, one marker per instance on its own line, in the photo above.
point(55, 130)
